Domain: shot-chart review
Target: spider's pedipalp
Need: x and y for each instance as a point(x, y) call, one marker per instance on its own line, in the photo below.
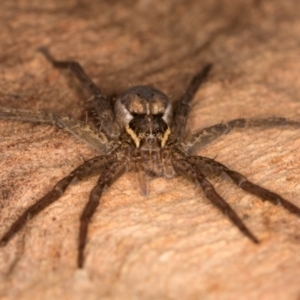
point(186, 169)
point(209, 134)
point(112, 173)
point(87, 169)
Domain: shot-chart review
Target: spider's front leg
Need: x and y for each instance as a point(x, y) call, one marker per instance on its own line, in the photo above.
point(110, 174)
point(89, 168)
point(209, 134)
point(81, 130)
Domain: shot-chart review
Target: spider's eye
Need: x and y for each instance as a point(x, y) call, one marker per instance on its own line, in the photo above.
point(154, 134)
point(147, 133)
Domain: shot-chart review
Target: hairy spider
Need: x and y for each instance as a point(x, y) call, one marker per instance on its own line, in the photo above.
point(141, 132)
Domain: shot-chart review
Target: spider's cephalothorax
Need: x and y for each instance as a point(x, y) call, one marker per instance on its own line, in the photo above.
point(145, 113)
point(141, 132)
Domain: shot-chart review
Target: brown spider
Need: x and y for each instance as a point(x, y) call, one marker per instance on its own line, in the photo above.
point(140, 132)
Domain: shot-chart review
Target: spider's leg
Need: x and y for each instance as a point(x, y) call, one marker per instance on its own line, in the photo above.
point(142, 179)
point(210, 166)
point(209, 134)
point(81, 130)
point(182, 109)
point(76, 68)
point(183, 167)
point(27, 115)
point(101, 104)
point(87, 169)
point(261, 192)
point(111, 174)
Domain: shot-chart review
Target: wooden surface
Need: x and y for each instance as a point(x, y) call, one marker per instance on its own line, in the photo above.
point(173, 244)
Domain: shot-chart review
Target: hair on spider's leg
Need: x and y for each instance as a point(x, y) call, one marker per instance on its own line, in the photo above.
point(111, 174)
point(185, 168)
point(87, 169)
point(182, 109)
point(209, 134)
point(261, 192)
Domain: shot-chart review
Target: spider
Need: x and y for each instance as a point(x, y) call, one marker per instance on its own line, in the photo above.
point(141, 132)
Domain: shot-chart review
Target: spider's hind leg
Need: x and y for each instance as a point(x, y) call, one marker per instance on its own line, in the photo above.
point(188, 168)
point(209, 165)
point(102, 106)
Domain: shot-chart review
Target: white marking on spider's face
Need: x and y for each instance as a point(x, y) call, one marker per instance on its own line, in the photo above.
point(165, 137)
point(122, 115)
point(126, 114)
point(133, 136)
point(167, 117)
point(147, 109)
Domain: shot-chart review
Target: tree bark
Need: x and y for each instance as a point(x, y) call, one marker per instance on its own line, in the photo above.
point(173, 244)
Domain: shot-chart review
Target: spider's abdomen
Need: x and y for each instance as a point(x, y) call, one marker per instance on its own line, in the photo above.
point(142, 100)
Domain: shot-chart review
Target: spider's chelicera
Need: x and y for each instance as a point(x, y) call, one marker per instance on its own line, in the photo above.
point(141, 132)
